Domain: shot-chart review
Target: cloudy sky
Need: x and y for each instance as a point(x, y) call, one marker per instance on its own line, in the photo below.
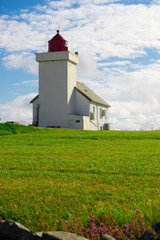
point(119, 49)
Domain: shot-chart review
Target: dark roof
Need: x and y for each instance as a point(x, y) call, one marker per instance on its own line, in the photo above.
point(88, 93)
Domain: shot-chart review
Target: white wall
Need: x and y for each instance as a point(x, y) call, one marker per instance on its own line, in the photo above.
point(98, 122)
point(78, 122)
point(57, 79)
point(81, 106)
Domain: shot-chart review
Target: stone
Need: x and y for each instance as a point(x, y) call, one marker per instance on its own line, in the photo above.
point(39, 234)
point(156, 228)
point(60, 235)
point(107, 237)
point(10, 230)
point(147, 236)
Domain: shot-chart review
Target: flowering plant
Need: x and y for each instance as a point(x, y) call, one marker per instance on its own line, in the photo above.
point(94, 229)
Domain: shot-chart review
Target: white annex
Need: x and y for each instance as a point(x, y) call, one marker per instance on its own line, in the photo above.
point(62, 101)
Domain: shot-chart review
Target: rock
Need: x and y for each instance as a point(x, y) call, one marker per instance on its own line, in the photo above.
point(107, 237)
point(10, 230)
point(147, 236)
point(156, 228)
point(150, 235)
point(61, 236)
point(39, 234)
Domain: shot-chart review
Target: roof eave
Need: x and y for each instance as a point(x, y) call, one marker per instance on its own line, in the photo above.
point(34, 99)
point(106, 105)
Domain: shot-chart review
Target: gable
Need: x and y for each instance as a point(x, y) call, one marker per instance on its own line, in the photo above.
point(89, 94)
point(34, 99)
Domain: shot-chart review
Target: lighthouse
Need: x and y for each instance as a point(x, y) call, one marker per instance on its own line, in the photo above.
point(57, 79)
point(62, 101)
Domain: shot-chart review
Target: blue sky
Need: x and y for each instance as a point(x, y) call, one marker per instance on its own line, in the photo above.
point(119, 49)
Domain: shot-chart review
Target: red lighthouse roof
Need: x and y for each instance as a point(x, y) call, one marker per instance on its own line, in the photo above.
point(57, 43)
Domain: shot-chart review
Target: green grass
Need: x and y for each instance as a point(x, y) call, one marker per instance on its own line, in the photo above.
point(50, 175)
point(9, 128)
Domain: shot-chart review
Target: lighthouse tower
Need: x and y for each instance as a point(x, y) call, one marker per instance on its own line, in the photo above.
point(57, 80)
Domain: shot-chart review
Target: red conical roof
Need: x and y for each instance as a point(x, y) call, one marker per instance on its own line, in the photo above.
point(57, 43)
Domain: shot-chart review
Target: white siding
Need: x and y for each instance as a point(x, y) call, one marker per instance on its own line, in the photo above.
point(78, 122)
point(57, 79)
point(81, 104)
point(99, 121)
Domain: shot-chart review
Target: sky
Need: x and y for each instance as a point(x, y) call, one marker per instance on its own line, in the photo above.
point(119, 49)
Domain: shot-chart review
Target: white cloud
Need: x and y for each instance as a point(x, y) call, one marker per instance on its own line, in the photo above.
point(99, 32)
point(110, 30)
point(60, 4)
point(105, 1)
point(133, 96)
point(18, 110)
point(29, 83)
point(156, 2)
point(22, 60)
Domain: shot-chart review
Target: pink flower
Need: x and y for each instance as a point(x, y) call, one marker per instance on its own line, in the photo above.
point(106, 229)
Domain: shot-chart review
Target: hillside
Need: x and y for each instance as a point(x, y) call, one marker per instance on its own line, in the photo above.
point(50, 175)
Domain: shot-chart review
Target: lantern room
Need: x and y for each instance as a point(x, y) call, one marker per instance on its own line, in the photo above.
point(57, 43)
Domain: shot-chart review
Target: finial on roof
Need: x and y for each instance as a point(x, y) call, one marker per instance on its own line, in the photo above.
point(58, 31)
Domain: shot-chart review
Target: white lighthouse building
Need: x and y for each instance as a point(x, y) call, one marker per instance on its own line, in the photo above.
point(62, 101)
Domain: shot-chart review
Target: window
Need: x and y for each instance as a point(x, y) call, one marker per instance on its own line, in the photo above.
point(93, 109)
point(103, 113)
point(100, 112)
point(92, 116)
point(77, 121)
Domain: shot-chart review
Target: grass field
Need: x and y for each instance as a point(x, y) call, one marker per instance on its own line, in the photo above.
point(50, 175)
